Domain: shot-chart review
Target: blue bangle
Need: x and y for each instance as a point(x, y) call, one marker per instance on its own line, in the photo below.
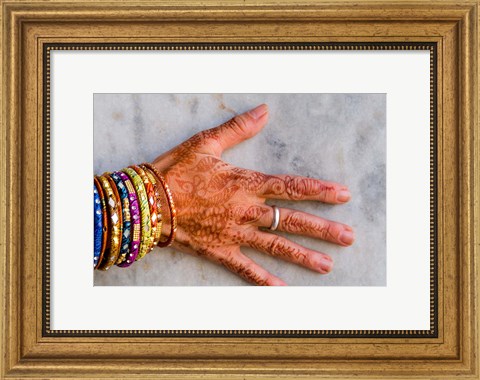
point(98, 226)
point(124, 196)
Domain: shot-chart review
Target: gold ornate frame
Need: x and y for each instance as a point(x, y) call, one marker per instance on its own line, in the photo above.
point(31, 28)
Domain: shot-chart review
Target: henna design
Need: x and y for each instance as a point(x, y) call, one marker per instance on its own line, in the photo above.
point(236, 125)
point(278, 246)
point(297, 222)
point(295, 188)
point(188, 147)
point(220, 180)
point(205, 223)
point(224, 196)
point(252, 181)
point(185, 200)
point(274, 186)
point(243, 270)
point(186, 186)
point(298, 187)
point(207, 163)
point(251, 215)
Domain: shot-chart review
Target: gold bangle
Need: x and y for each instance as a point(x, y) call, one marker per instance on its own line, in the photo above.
point(158, 203)
point(171, 206)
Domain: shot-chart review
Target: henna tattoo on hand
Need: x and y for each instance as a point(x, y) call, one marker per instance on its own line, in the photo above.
point(219, 205)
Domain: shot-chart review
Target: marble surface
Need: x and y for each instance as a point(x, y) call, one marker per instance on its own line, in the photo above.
point(336, 137)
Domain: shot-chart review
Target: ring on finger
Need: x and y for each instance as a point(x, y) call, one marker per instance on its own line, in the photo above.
point(276, 218)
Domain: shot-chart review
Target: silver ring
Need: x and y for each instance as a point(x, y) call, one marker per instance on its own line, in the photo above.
point(276, 218)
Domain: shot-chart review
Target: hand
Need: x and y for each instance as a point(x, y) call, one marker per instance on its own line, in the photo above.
point(221, 208)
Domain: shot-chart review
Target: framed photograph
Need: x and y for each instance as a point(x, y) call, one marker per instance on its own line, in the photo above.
point(331, 148)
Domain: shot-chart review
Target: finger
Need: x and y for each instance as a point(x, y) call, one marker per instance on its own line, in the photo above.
point(285, 249)
point(299, 223)
point(248, 269)
point(239, 128)
point(303, 188)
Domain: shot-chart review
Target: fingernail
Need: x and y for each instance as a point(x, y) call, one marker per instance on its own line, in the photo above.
point(325, 264)
point(346, 237)
point(259, 111)
point(343, 196)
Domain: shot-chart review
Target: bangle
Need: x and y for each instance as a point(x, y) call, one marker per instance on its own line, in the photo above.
point(151, 202)
point(125, 244)
point(144, 211)
point(97, 225)
point(104, 221)
point(115, 215)
point(156, 186)
point(171, 206)
point(135, 218)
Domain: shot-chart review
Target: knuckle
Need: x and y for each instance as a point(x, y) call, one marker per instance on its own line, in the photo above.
point(300, 256)
point(322, 231)
point(299, 187)
point(326, 231)
point(281, 247)
point(206, 134)
point(248, 215)
point(275, 245)
point(293, 222)
point(311, 260)
point(274, 186)
point(241, 122)
point(294, 187)
point(238, 125)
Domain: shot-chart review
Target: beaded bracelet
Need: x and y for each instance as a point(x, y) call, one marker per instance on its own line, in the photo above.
point(171, 206)
point(97, 226)
point(144, 211)
point(151, 202)
point(156, 186)
point(125, 244)
point(135, 217)
point(104, 221)
point(115, 216)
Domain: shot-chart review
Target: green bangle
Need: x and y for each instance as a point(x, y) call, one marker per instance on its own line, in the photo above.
point(146, 229)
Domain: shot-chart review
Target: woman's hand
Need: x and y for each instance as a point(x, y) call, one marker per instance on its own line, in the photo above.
point(221, 207)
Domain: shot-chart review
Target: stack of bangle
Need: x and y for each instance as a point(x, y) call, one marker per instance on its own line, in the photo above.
point(128, 215)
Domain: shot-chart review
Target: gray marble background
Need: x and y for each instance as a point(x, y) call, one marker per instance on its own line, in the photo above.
point(336, 137)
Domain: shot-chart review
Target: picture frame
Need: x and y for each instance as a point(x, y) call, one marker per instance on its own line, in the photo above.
point(31, 29)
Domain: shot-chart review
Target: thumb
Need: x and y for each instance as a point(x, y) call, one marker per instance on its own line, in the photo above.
point(242, 127)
